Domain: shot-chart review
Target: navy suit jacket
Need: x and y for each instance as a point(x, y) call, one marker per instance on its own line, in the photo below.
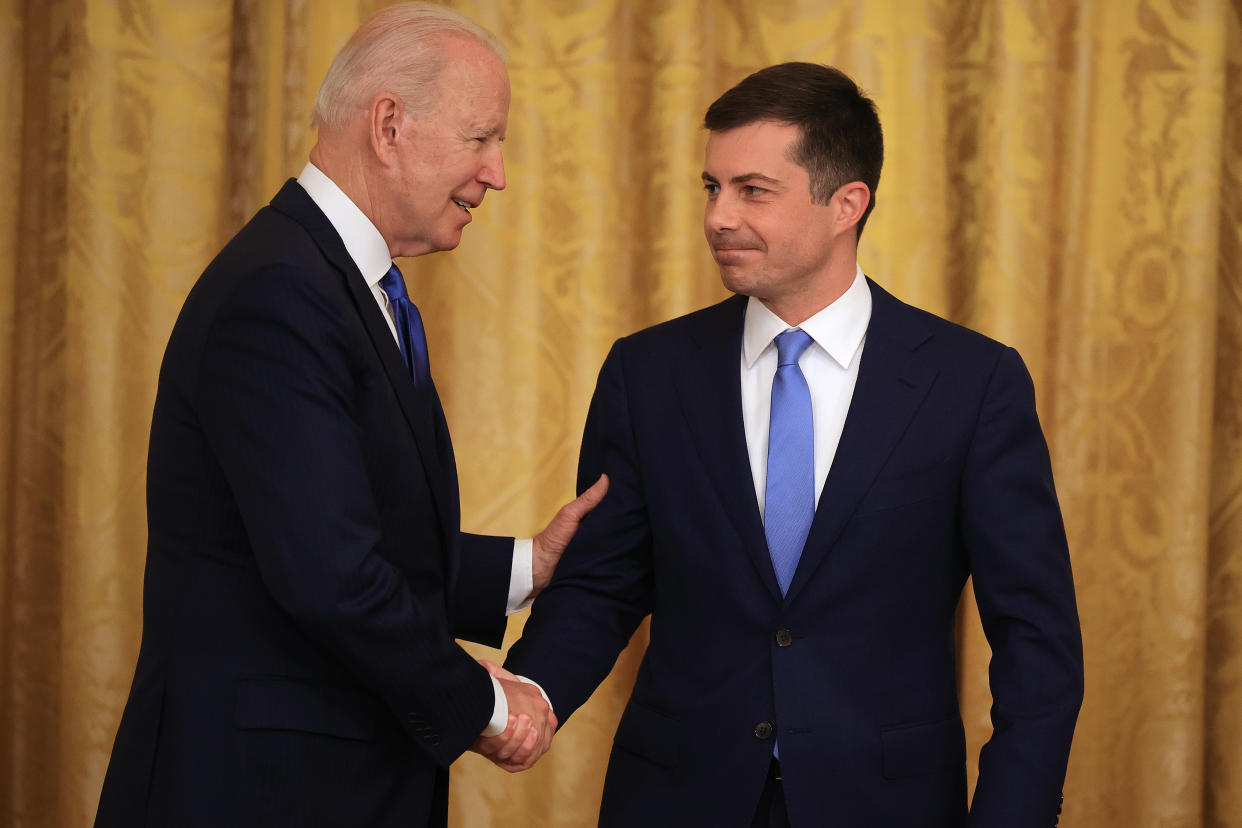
point(942, 472)
point(306, 575)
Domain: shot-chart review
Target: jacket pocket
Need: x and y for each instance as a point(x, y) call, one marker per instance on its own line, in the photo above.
point(650, 734)
point(914, 750)
point(272, 703)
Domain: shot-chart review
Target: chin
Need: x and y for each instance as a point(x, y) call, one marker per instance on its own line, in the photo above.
point(737, 282)
point(448, 242)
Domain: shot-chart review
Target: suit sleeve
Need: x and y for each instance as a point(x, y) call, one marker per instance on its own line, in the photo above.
point(603, 585)
point(482, 592)
point(275, 393)
point(1020, 568)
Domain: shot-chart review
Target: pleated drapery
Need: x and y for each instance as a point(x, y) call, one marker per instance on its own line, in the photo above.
point(1064, 176)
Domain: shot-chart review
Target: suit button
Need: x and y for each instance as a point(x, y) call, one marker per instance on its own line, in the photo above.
point(764, 730)
point(784, 638)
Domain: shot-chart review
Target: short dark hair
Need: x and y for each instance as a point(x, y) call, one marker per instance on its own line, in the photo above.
point(841, 140)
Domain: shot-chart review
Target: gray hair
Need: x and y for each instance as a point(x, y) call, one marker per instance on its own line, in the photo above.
point(394, 50)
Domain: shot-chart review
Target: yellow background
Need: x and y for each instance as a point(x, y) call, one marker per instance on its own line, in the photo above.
point(1064, 176)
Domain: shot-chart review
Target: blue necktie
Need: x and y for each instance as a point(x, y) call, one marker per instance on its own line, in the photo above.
point(789, 504)
point(409, 325)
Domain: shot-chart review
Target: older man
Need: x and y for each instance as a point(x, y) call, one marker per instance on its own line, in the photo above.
point(306, 575)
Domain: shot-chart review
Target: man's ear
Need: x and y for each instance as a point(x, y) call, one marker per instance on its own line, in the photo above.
point(852, 200)
point(385, 125)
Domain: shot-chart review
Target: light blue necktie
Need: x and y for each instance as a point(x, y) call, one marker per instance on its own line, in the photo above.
point(409, 324)
point(789, 504)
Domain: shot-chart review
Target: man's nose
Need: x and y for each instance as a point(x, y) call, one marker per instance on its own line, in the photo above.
point(721, 213)
point(493, 172)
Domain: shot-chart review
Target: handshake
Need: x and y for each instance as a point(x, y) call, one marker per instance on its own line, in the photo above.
point(531, 721)
point(531, 724)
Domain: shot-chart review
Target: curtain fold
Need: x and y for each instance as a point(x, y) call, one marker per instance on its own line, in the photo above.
point(1064, 176)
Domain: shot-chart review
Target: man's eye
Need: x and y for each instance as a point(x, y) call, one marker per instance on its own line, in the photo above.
point(751, 189)
point(711, 189)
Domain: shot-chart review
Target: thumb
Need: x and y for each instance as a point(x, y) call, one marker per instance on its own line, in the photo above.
point(497, 671)
point(589, 499)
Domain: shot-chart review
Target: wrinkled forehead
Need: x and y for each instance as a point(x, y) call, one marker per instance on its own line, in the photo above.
point(470, 65)
point(472, 81)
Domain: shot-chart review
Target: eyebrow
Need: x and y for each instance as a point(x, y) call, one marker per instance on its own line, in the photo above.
point(745, 178)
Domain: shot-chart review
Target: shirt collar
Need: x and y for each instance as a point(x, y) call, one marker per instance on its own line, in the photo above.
point(839, 328)
point(362, 240)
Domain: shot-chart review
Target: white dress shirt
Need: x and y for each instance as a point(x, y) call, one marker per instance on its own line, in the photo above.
point(370, 253)
point(830, 365)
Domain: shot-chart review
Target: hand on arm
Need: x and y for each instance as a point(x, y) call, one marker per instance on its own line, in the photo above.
point(551, 542)
point(530, 729)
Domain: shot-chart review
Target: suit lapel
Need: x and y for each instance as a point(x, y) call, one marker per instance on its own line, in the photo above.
point(707, 376)
point(418, 405)
point(892, 384)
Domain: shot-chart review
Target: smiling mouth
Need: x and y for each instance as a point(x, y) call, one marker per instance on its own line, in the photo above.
point(463, 205)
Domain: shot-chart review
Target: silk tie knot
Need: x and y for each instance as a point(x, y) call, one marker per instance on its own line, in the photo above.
point(394, 285)
point(790, 346)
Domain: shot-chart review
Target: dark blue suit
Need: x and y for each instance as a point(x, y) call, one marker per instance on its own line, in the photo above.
point(305, 573)
point(942, 473)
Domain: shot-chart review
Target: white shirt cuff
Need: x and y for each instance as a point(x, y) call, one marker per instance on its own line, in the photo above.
point(500, 713)
point(521, 576)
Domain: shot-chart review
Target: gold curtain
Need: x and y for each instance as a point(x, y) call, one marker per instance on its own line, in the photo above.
point(1064, 176)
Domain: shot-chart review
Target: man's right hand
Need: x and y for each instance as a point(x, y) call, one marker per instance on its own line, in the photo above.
point(548, 545)
point(531, 725)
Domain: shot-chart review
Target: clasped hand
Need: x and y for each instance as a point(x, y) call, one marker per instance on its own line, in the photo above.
point(531, 720)
point(531, 725)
